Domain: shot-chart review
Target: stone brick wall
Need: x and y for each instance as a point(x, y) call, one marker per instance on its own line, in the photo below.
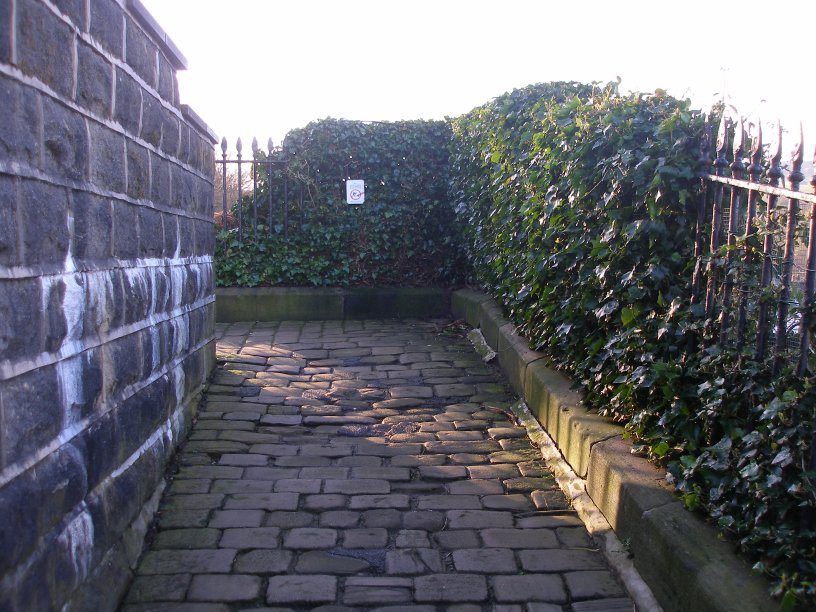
point(106, 292)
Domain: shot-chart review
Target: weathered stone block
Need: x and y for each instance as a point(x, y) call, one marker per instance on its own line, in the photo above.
point(490, 320)
point(107, 157)
point(35, 24)
point(125, 230)
point(141, 414)
point(187, 561)
point(93, 228)
point(9, 251)
point(44, 221)
point(624, 486)
point(116, 502)
point(56, 327)
point(74, 10)
point(172, 587)
point(465, 305)
point(21, 121)
point(151, 233)
point(94, 81)
point(160, 183)
point(234, 587)
point(101, 447)
point(140, 52)
point(301, 589)
point(41, 496)
point(21, 332)
point(151, 119)
point(450, 588)
point(32, 412)
point(107, 25)
point(5, 32)
point(167, 82)
point(125, 355)
point(128, 110)
point(186, 235)
point(138, 171)
point(529, 588)
point(515, 356)
point(184, 143)
point(204, 237)
point(547, 393)
point(83, 375)
point(171, 133)
point(705, 573)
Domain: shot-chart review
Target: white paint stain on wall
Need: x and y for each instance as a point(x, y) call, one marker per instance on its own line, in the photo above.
point(77, 540)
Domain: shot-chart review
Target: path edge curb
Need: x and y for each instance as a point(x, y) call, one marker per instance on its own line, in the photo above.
point(679, 556)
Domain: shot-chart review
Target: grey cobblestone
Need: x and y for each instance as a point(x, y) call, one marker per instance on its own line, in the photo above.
point(234, 587)
point(314, 479)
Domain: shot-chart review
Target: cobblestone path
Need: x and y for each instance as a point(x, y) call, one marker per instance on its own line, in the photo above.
point(364, 465)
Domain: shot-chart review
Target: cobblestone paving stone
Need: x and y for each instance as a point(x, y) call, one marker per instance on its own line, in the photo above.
point(364, 465)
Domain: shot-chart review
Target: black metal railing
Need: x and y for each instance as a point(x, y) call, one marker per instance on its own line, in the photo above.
point(275, 194)
point(760, 261)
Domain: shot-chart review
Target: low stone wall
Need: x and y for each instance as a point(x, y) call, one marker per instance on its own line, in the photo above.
point(679, 556)
point(106, 292)
point(309, 304)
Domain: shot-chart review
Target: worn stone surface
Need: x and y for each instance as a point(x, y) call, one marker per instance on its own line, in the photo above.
point(106, 326)
point(338, 508)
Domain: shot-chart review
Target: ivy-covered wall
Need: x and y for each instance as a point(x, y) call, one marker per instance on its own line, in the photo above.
point(578, 208)
point(574, 206)
point(403, 235)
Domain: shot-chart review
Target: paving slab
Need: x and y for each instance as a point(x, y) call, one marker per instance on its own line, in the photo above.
point(364, 465)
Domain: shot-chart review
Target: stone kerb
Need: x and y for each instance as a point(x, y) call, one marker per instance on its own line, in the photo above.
point(681, 558)
point(106, 291)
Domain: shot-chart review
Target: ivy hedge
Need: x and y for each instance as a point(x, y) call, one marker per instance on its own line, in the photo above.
point(578, 207)
point(573, 205)
point(403, 235)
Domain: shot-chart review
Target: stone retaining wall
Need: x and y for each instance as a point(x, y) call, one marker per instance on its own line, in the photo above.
point(106, 291)
point(310, 304)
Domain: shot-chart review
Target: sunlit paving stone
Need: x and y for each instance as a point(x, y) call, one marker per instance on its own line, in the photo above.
point(364, 465)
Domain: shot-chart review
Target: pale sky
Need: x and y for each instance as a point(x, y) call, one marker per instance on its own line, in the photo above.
point(262, 67)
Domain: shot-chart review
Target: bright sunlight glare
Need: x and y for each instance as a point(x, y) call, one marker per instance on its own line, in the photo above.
point(262, 67)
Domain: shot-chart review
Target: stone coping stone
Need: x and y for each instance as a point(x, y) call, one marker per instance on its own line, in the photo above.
point(317, 303)
point(680, 556)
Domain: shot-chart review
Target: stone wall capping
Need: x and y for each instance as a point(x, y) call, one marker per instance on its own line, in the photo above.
point(190, 115)
point(152, 27)
point(317, 303)
point(681, 557)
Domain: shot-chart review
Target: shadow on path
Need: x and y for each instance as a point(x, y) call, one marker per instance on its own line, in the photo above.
point(364, 465)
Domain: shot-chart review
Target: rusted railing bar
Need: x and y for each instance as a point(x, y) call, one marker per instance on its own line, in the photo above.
point(762, 188)
point(224, 223)
point(286, 207)
point(240, 206)
point(775, 174)
point(246, 161)
point(807, 303)
point(703, 163)
point(737, 168)
point(255, 188)
point(720, 163)
point(300, 204)
point(795, 178)
point(754, 172)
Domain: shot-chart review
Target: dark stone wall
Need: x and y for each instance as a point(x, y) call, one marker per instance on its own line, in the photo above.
point(106, 292)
